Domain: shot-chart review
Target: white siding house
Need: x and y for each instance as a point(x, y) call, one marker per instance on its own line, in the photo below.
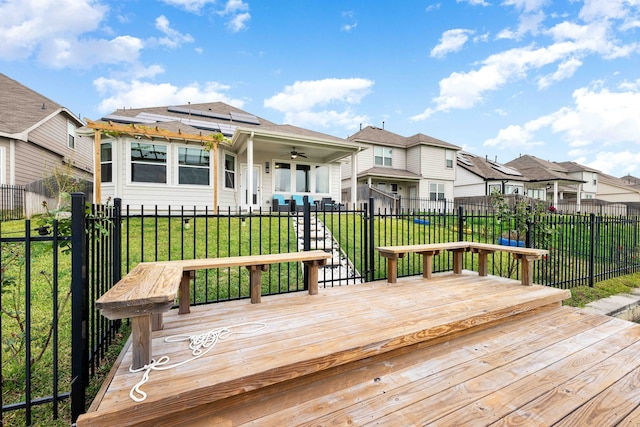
point(161, 160)
point(415, 167)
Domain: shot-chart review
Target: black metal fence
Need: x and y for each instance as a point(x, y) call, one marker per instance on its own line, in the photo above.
point(11, 202)
point(50, 328)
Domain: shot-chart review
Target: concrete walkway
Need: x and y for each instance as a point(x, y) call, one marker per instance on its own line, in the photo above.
point(339, 269)
point(622, 306)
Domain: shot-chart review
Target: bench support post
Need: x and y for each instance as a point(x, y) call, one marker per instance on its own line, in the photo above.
point(183, 307)
point(255, 285)
point(457, 260)
point(141, 341)
point(313, 274)
point(483, 260)
point(527, 267)
point(427, 263)
point(392, 265)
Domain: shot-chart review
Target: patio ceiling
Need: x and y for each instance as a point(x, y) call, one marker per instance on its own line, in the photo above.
point(318, 149)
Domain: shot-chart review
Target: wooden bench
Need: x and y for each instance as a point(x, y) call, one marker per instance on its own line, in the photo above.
point(151, 288)
point(525, 255)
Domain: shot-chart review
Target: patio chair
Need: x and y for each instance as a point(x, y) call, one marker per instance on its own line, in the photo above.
point(298, 203)
point(280, 204)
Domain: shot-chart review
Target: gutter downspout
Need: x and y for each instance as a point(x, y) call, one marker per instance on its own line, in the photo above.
point(354, 178)
point(249, 177)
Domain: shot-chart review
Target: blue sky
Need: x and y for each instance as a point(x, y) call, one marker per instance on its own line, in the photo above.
point(556, 79)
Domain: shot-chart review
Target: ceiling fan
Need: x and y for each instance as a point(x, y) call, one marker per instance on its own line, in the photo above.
point(295, 154)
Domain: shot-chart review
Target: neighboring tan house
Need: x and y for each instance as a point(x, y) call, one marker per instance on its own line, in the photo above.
point(589, 176)
point(617, 190)
point(547, 180)
point(418, 167)
point(479, 176)
point(38, 135)
point(157, 156)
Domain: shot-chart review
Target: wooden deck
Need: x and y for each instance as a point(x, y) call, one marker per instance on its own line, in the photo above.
point(450, 350)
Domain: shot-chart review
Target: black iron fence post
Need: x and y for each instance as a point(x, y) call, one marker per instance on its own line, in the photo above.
point(79, 348)
point(365, 242)
point(306, 236)
point(460, 223)
point(527, 239)
point(592, 226)
point(117, 240)
point(372, 245)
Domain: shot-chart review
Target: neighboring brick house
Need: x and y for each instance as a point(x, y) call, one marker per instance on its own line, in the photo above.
point(417, 167)
point(37, 135)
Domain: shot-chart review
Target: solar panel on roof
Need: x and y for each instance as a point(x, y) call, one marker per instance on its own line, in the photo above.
point(126, 119)
point(463, 159)
point(504, 169)
point(245, 118)
point(157, 117)
point(201, 113)
point(227, 130)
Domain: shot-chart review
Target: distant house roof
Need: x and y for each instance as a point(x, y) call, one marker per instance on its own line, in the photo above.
point(22, 109)
point(538, 170)
point(576, 167)
point(378, 136)
point(487, 169)
point(631, 180)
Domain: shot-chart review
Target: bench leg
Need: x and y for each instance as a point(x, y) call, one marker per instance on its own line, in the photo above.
point(457, 262)
point(483, 263)
point(427, 266)
point(313, 275)
point(527, 269)
point(141, 341)
point(183, 307)
point(255, 285)
point(392, 269)
point(157, 322)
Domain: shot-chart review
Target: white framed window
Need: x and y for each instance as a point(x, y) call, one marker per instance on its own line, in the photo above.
point(148, 162)
point(106, 162)
point(394, 188)
point(382, 156)
point(71, 134)
point(303, 178)
point(282, 177)
point(322, 179)
point(193, 166)
point(436, 191)
point(495, 188)
point(449, 159)
point(230, 171)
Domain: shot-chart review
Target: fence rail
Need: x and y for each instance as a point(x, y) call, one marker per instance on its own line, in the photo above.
point(12, 202)
point(84, 255)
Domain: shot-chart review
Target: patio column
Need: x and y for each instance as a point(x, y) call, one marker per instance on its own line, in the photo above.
point(354, 178)
point(555, 193)
point(249, 177)
point(579, 197)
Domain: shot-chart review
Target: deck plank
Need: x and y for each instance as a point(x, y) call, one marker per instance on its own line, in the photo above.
point(560, 401)
point(448, 350)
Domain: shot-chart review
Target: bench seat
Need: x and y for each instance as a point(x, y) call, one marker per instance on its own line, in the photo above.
point(151, 288)
point(525, 255)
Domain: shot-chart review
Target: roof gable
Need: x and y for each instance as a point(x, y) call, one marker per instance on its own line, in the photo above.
point(375, 135)
point(22, 108)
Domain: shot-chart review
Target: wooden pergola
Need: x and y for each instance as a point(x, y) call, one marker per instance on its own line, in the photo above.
point(151, 133)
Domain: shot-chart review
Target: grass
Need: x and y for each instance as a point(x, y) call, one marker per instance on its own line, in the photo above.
point(583, 295)
point(169, 239)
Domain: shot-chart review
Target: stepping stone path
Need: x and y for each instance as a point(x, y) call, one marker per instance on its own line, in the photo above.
point(339, 269)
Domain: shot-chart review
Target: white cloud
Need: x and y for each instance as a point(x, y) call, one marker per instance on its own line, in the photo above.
point(474, 2)
point(432, 7)
point(451, 41)
point(138, 94)
point(61, 53)
point(190, 5)
point(598, 118)
point(173, 37)
point(565, 70)
point(348, 27)
point(316, 103)
point(36, 22)
point(526, 5)
point(237, 13)
point(617, 163)
point(572, 42)
point(238, 22)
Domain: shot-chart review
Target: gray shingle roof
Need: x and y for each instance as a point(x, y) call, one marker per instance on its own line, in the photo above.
point(388, 172)
point(375, 135)
point(21, 107)
point(536, 169)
